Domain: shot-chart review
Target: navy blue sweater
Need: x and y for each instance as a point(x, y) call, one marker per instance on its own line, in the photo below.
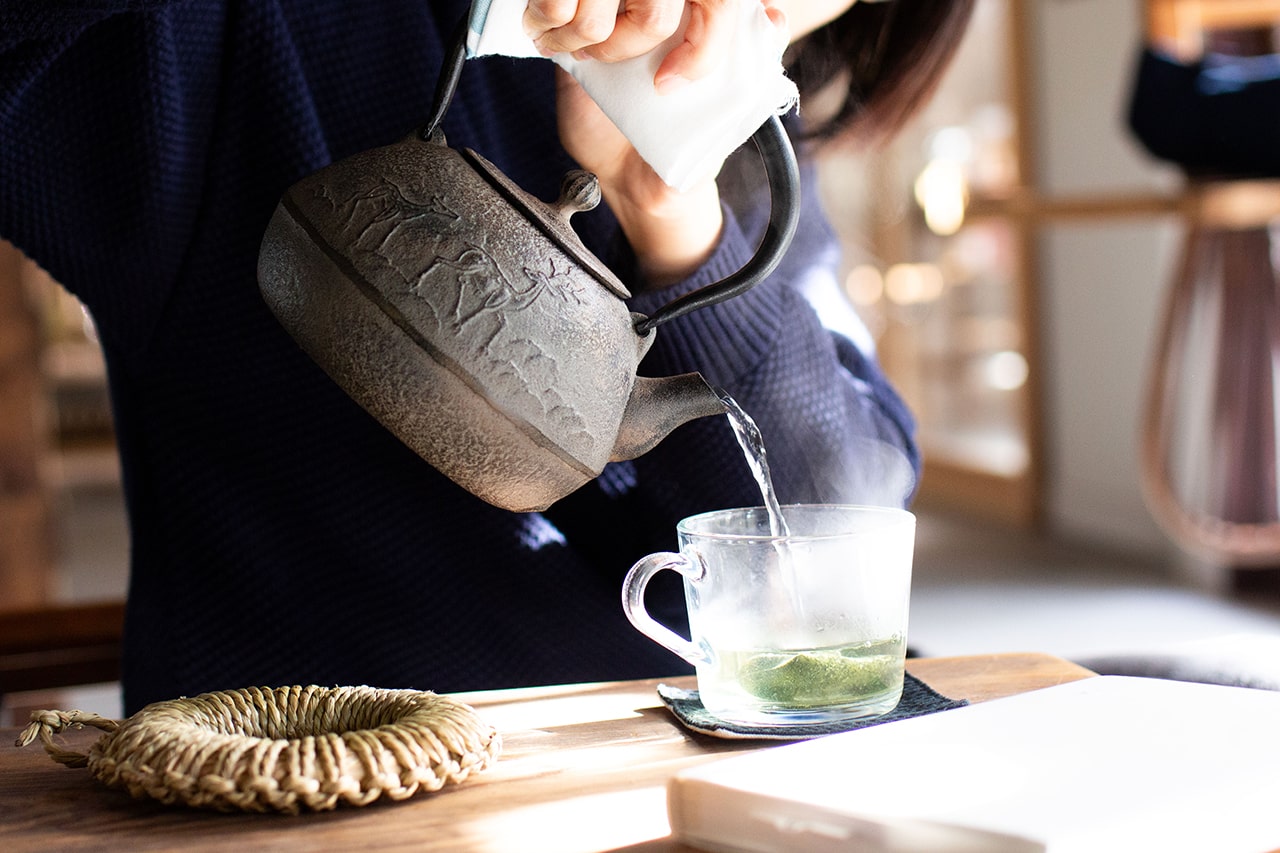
point(279, 534)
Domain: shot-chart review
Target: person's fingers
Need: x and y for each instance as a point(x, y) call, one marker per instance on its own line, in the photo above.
point(641, 26)
point(707, 41)
point(560, 26)
point(601, 29)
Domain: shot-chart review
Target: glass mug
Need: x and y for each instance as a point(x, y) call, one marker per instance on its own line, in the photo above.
point(794, 626)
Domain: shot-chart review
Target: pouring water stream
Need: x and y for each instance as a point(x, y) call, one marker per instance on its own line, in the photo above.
point(752, 444)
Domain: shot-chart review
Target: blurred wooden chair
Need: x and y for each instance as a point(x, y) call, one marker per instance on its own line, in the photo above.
point(1211, 423)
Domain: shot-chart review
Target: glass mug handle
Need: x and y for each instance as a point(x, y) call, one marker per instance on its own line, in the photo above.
point(633, 587)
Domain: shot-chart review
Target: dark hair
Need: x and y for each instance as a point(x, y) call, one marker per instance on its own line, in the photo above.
point(886, 57)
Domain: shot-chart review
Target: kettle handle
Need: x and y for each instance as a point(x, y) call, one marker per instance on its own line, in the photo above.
point(783, 174)
point(447, 83)
point(781, 171)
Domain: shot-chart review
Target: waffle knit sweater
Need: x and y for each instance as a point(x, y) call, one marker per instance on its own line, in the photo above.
point(279, 535)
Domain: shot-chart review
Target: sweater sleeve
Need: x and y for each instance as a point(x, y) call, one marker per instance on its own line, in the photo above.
point(105, 118)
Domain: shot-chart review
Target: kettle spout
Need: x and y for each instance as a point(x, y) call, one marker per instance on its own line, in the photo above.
point(657, 406)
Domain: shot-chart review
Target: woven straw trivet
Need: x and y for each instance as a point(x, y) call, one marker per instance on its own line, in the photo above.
point(284, 749)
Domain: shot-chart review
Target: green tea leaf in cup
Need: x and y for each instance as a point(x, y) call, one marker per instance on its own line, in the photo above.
point(810, 679)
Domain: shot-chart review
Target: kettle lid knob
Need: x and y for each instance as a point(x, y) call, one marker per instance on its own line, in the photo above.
point(579, 192)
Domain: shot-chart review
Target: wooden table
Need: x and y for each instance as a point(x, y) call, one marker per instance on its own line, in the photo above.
point(584, 768)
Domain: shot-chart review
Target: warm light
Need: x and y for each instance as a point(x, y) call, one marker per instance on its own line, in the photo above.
point(942, 187)
point(913, 284)
point(864, 285)
point(1005, 370)
point(942, 191)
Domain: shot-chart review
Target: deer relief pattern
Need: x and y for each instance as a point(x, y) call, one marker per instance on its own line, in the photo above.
point(420, 245)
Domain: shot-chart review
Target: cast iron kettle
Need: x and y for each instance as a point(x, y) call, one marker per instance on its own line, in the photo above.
point(468, 318)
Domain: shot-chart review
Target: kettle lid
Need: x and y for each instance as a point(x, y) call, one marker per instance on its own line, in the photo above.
point(579, 191)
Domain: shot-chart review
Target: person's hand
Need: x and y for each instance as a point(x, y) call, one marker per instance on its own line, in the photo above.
point(603, 30)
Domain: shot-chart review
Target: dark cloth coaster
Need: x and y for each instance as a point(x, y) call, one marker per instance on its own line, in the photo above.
point(918, 699)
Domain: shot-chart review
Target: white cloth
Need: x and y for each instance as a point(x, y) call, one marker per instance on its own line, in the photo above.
point(684, 135)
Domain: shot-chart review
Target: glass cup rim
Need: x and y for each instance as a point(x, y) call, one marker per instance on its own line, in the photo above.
point(695, 526)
